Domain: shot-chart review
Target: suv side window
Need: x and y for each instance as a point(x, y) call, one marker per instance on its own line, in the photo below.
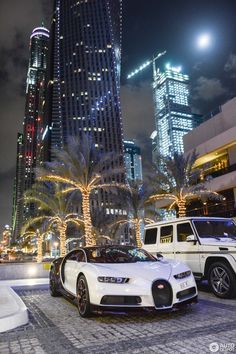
point(166, 235)
point(150, 236)
point(184, 230)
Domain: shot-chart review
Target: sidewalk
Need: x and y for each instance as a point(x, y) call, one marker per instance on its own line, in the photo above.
point(13, 312)
point(23, 282)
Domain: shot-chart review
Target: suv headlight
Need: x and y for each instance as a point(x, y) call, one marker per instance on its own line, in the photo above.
point(183, 275)
point(114, 280)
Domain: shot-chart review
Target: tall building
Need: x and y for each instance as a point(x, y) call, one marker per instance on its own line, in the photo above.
point(133, 160)
point(173, 116)
point(84, 79)
point(29, 146)
point(17, 210)
point(35, 97)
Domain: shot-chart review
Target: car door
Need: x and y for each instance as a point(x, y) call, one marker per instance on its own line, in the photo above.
point(187, 252)
point(150, 240)
point(165, 241)
point(77, 265)
point(72, 267)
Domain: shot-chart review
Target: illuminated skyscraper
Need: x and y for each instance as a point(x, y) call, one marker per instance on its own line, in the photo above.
point(133, 160)
point(17, 210)
point(35, 96)
point(84, 80)
point(173, 116)
point(29, 144)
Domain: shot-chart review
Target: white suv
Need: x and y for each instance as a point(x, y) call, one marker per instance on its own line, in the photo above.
point(207, 245)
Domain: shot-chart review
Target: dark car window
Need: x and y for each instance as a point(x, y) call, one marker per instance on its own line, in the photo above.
point(166, 235)
point(118, 255)
point(150, 236)
point(184, 230)
point(72, 256)
point(81, 256)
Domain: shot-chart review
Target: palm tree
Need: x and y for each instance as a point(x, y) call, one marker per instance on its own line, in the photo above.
point(176, 182)
point(135, 198)
point(32, 231)
point(56, 210)
point(78, 167)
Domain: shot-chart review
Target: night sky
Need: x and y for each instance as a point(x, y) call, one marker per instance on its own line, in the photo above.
point(149, 26)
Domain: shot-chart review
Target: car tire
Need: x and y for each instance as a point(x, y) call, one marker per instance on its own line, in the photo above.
point(83, 300)
point(53, 285)
point(222, 280)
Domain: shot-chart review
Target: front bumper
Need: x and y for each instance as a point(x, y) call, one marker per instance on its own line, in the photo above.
point(139, 294)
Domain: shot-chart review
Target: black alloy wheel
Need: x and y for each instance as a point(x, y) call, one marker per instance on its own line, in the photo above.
point(222, 280)
point(53, 287)
point(83, 301)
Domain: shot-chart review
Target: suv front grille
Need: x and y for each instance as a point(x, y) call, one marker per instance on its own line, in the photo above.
point(162, 293)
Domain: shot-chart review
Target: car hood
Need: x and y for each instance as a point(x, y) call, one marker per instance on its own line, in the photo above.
point(225, 244)
point(147, 270)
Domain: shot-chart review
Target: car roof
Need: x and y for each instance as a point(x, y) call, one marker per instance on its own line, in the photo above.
point(107, 246)
point(187, 218)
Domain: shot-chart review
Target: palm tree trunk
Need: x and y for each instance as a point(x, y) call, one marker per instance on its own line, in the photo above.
point(40, 248)
point(62, 231)
point(137, 234)
point(89, 238)
point(182, 208)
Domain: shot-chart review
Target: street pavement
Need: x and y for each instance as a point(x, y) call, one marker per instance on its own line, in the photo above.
point(55, 327)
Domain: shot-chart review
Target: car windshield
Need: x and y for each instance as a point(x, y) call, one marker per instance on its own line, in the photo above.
point(118, 255)
point(216, 229)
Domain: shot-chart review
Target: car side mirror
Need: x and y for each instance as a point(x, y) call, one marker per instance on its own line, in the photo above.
point(191, 238)
point(159, 256)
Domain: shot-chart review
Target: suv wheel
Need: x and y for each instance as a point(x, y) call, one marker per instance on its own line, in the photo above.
point(83, 301)
point(222, 280)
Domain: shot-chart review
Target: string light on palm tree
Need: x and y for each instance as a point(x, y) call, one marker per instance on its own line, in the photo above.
point(80, 169)
point(135, 198)
point(177, 181)
point(56, 209)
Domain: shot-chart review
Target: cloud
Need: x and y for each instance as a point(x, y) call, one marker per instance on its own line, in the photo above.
point(17, 19)
point(230, 65)
point(208, 89)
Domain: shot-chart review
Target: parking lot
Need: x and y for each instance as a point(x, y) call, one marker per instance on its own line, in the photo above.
point(55, 327)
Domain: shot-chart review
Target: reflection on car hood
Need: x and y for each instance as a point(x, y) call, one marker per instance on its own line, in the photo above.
point(146, 270)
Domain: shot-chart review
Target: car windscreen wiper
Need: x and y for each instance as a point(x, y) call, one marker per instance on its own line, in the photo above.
point(208, 236)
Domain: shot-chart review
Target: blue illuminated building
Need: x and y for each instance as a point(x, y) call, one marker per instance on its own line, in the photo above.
point(173, 116)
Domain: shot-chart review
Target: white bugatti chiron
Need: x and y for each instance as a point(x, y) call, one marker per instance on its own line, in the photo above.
point(108, 277)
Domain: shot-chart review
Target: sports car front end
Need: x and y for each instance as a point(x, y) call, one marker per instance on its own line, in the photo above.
point(160, 285)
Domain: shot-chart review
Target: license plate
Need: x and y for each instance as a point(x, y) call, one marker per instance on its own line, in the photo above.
point(184, 285)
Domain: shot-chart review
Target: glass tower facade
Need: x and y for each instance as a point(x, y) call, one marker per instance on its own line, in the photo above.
point(29, 145)
point(133, 160)
point(17, 211)
point(35, 97)
point(173, 116)
point(84, 78)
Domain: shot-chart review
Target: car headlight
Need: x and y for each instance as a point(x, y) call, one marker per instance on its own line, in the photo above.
point(115, 280)
point(183, 275)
